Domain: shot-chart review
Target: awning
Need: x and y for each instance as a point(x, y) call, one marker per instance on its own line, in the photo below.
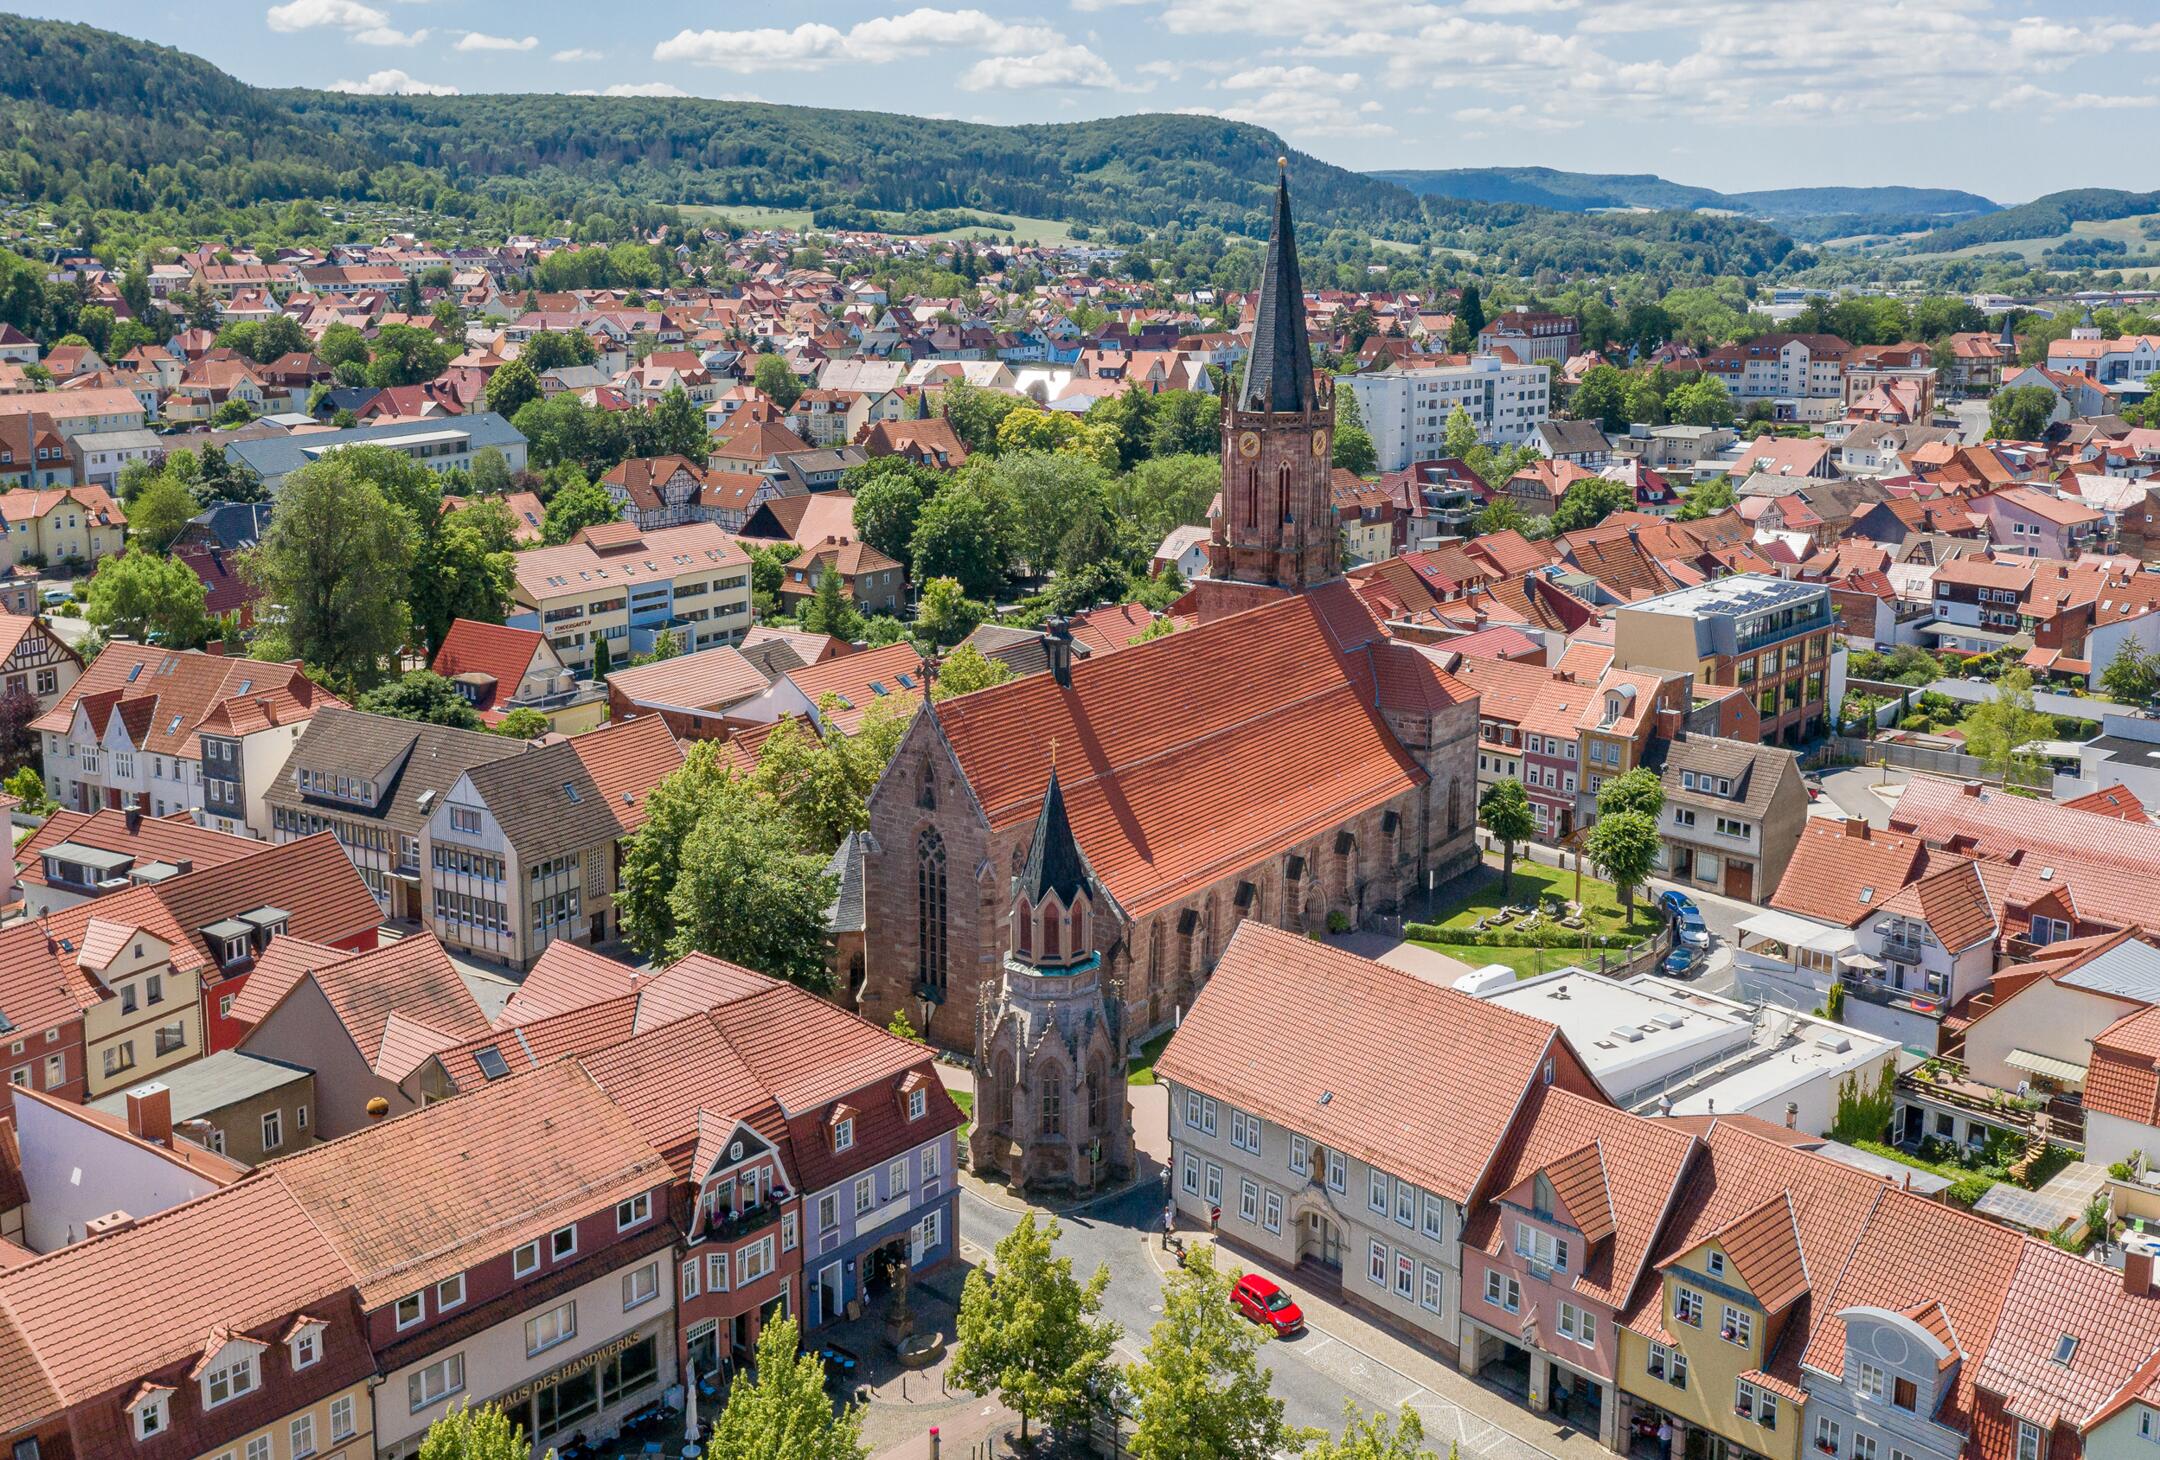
point(1796, 932)
point(1861, 961)
point(2044, 1064)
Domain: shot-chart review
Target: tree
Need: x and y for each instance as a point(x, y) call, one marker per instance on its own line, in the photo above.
point(1602, 397)
point(2133, 676)
point(335, 564)
point(523, 723)
point(486, 1433)
point(1590, 501)
point(773, 376)
point(574, 508)
point(1998, 729)
point(18, 742)
point(1460, 435)
point(341, 344)
point(1705, 498)
point(1354, 449)
point(1162, 493)
point(945, 614)
point(1701, 402)
point(889, 496)
point(748, 894)
point(510, 387)
point(678, 427)
point(490, 474)
point(1374, 1437)
point(160, 511)
point(1129, 417)
point(1030, 1334)
point(602, 659)
point(829, 611)
point(962, 533)
point(407, 355)
point(2020, 412)
point(784, 1413)
point(1199, 1392)
point(822, 782)
point(553, 349)
point(148, 597)
point(1864, 1111)
point(462, 568)
point(1187, 423)
point(235, 412)
point(421, 695)
point(976, 414)
point(561, 428)
point(1638, 790)
point(1471, 311)
point(1624, 848)
point(1504, 807)
point(265, 340)
point(27, 786)
point(652, 859)
point(967, 669)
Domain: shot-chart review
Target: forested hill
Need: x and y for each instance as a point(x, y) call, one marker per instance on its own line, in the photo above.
point(111, 122)
point(2040, 218)
point(1547, 187)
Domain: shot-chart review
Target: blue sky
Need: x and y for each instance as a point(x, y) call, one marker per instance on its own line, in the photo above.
point(2011, 98)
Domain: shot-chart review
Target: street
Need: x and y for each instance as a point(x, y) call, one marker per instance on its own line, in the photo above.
point(1338, 1359)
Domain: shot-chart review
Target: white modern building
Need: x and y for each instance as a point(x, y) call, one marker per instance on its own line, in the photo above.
point(1659, 1048)
point(1406, 411)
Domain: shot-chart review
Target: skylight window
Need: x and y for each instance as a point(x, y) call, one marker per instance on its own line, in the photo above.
point(2066, 1348)
point(570, 791)
point(491, 1063)
point(1867, 895)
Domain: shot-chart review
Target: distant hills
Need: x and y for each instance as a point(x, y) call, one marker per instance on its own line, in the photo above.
point(1805, 212)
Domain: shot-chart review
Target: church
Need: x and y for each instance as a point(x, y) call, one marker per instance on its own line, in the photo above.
point(1283, 760)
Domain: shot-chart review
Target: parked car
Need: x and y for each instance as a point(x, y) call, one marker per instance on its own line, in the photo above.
point(54, 596)
point(1689, 929)
point(1263, 1302)
point(1682, 962)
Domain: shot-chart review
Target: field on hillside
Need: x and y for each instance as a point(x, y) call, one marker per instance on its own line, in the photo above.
point(1027, 230)
point(2125, 231)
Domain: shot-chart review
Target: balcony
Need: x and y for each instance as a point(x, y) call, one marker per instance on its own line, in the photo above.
point(743, 1222)
point(1806, 624)
point(1890, 996)
point(1948, 1082)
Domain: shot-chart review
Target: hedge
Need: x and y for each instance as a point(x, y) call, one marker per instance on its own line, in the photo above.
point(1546, 937)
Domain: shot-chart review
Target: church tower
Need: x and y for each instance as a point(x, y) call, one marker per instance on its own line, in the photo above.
point(1277, 523)
point(1051, 1110)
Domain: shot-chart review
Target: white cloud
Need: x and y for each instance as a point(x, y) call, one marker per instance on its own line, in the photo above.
point(317, 14)
point(807, 45)
point(1059, 66)
point(644, 88)
point(383, 35)
point(393, 83)
point(928, 29)
point(1269, 78)
point(1022, 54)
point(474, 40)
point(1518, 118)
point(577, 53)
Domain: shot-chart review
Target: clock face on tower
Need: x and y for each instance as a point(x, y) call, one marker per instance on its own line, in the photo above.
point(1319, 443)
point(1248, 444)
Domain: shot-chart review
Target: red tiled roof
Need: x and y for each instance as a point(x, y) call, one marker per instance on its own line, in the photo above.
point(1839, 875)
point(1374, 1079)
point(852, 677)
point(1193, 755)
point(498, 651)
point(173, 839)
point(626, 761)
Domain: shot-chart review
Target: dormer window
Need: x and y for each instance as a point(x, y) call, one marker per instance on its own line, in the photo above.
point(843, 1135)
point(562, 1243)
point(918, 1103)
point(306, 1345)
point(150, 1410)
point(230, 1381)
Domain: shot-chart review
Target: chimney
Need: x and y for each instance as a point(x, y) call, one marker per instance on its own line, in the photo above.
point(134, 815)
point(149, 1113)
point(1057, 640)
point(1669, 722)
point(1792, 1115)
point(106, 1225)
point(2137, 1272)
point(1857, 829)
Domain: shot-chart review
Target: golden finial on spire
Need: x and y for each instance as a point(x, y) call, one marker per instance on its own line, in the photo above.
point(1283, 163)
point(1053, 755)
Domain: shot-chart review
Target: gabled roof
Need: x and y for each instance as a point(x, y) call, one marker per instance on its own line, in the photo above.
point(1374, 1079)
point(164, 695)
point(1190, 756)
point(626, 761)
point(1841, 871)
point(399, 1003)
point(173, 840)
point(505, 655)
point(1764, 1247)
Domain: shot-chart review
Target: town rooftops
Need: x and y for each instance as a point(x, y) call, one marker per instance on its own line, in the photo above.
point(1725, 609)
point(273, 458)
point(212, 1083)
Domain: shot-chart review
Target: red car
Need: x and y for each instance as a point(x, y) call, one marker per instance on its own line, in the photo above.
point(1263, 1302)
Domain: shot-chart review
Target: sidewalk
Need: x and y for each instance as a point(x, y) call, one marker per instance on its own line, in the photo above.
point(1455, 1409)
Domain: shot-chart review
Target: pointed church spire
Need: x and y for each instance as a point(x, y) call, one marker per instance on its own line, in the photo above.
point(1055, 863)
point(1279, 371)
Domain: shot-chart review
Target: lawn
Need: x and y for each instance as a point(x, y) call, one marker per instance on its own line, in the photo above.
point(1469, 898)
point(1142, 1069)
point(965, 1099)
point(1481, 894)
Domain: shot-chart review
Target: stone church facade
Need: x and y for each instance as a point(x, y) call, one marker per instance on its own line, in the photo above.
point(1283, 761)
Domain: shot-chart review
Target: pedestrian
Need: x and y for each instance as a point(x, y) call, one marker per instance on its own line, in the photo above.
point(1664, 1436)
point(1169, 1224)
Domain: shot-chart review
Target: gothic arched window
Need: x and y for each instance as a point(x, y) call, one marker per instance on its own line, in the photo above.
point(930, 908)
